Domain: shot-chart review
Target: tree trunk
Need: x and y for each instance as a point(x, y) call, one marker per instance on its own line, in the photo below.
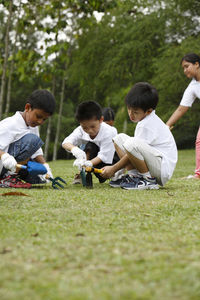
point(59, 119)
point(9, 89)
point(47, 141)
point(3, 77)
point(125, 126)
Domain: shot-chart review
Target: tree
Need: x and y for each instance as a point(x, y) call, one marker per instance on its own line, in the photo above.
point(3, 77)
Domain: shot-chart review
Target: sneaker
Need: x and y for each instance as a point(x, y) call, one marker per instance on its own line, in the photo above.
point(140, 183)
point(101, 179)
point(13, 181)
point(117, 183)
point(192, 177)
point(77, 179)
point(37, 179)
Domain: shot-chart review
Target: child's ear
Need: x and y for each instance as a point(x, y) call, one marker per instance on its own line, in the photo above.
point(27, 106)
point(197, 64)
point(101, 119)
point(149, 111)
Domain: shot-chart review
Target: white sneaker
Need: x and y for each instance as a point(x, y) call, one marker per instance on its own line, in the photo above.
point(192, 177)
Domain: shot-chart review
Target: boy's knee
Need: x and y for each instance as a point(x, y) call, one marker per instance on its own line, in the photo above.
point(120, 139)
point(131, 144)
point(25, 147)
point(30, 138)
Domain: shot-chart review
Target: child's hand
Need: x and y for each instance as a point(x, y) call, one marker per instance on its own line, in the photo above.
point(79, 163)
point(88, 163)
point(107, 172)
point(170, 127)
point(78, 153)
point(49, 172)
point(9, 162)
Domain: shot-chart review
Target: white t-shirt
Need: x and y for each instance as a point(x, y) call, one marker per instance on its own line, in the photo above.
point(158, 135)
point(103, 140)
point(191, 93)
point(14, 128)
point(114, 130)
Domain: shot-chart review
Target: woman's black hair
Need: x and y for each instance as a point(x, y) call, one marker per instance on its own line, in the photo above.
point(191, 58)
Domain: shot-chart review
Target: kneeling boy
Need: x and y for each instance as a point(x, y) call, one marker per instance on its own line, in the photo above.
point(94, 136)
point(20, 141)
point(151, 155)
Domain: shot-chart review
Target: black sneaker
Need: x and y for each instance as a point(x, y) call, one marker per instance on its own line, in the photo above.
point(36, 179)
point(140, 183)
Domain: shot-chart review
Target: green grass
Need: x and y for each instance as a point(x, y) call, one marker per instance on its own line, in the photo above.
point(103, 243)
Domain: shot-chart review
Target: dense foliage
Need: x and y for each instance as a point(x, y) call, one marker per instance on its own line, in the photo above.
point(63, 46)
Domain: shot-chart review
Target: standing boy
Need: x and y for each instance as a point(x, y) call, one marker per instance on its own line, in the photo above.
point(94, 136)
point(20, 141)
point(151, 155)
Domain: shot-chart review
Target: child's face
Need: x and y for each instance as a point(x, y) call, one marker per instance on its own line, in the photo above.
point(91, 126)
point(137, 114)
point(34, 117)
point(190, 69)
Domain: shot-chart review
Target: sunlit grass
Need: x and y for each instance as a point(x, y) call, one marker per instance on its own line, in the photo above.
point(102, 243)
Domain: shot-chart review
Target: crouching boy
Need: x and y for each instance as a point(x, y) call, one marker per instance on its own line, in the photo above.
point(91, 142)
point(20, 141)
point(150, 156)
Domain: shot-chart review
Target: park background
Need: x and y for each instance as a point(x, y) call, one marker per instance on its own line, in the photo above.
point(96, 50)
point(104, 243)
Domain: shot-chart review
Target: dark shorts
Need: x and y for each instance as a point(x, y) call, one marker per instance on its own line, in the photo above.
point(92, 150)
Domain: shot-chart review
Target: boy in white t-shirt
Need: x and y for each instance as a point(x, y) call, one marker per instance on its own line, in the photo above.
point(151, 155)
point(20, 141)
point(94, 136)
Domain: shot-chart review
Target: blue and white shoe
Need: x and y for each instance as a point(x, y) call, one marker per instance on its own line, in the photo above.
point(140, 183)
point(117, 183)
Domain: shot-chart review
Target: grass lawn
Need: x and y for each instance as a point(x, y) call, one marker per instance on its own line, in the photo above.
point(102, 243)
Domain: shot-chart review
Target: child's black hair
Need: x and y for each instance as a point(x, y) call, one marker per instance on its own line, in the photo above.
point(88, 110)
point(42, 99)
point(191, 58)
point(108, 114)
point(142, 95)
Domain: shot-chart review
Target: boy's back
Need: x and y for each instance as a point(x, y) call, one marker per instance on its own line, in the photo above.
point(155, 133)
point(158, 135)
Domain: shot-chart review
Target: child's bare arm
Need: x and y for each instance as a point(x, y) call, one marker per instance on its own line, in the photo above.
point(40, 159)
point(109, 171)
point(1, 152)
point(68, 146)
point(95, 161)
point(76, 151)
